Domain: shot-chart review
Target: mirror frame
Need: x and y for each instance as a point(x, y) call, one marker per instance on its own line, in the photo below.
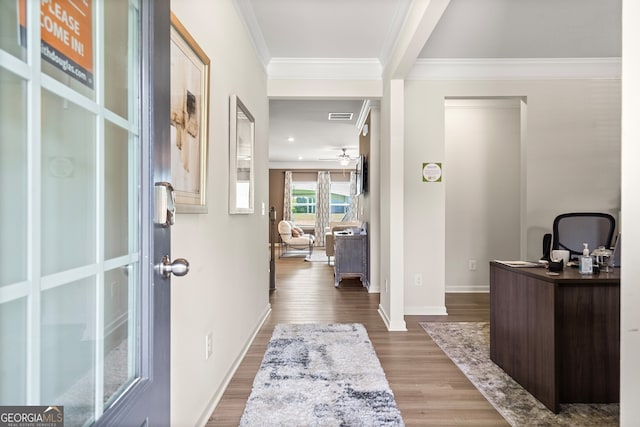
point(241, 129)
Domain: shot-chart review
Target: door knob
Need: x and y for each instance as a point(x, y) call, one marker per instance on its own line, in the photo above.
point(179, 267)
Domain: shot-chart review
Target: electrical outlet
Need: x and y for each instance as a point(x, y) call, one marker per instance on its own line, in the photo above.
point(417, 279)
point(472, 265)
point(208, 341)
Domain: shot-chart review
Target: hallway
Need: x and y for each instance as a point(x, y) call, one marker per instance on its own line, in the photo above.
point(428, 387)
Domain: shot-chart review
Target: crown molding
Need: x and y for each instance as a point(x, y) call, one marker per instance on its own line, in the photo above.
point(311, 164)
point(364, 112)
point(325, 68)
point(397, 23)
point(516, 69)
point(248, 18)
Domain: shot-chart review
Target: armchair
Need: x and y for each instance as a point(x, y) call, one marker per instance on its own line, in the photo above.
point(293, 240)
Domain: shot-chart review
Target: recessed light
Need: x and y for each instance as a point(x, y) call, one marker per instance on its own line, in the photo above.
point(300, 158)
point(291, 139)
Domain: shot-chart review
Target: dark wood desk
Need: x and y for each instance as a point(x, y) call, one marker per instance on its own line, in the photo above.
point(558, 336)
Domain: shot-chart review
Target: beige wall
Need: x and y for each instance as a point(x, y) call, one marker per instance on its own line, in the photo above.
point(571, 162)
point(571, 124)
point(229, 281)
point(482, 158)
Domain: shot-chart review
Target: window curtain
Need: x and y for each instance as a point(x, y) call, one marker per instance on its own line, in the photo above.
point(288, 186)
point(352, 214)
point(323, 206)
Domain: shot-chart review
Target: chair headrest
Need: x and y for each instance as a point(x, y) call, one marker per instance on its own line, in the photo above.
point(284, 227)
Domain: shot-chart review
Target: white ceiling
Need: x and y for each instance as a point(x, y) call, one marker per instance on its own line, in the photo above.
point(366, 30)
point(314, 136)
point(528, 29)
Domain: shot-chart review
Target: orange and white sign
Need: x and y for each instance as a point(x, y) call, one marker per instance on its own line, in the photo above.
point(67, 36)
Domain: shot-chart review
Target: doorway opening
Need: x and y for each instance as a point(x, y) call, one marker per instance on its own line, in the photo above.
point(484, 147)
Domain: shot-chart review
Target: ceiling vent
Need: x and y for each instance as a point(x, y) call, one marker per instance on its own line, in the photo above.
point(340, 116)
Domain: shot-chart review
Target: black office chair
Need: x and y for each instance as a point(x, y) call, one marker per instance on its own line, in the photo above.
point(571, 230)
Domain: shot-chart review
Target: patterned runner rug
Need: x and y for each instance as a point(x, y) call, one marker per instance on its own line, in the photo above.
point(467, 345)
point(321, 375)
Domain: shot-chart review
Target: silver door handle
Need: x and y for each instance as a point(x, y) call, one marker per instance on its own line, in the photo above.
point(179, 267)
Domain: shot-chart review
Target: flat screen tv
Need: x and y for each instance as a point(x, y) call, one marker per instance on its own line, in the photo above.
point(361, 175)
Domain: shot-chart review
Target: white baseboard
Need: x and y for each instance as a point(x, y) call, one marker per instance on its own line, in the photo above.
point(391, 327)
point(467, 288)
point(202, 421)
point(426, 310)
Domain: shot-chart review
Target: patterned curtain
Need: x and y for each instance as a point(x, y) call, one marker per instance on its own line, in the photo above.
point(352, 214)
point(288, 186)
point(323, 205)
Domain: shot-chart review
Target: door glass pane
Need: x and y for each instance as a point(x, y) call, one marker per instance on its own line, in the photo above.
point(68, 185)
point(120, 363)
point(67, 349)
point(11, 35)
point(116, 206)
point(117, 52)
point(70, 339)
point(13, 175)
point(13, 363)
point(68, 43)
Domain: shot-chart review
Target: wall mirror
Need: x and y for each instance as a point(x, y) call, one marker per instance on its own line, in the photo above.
point(241, 141)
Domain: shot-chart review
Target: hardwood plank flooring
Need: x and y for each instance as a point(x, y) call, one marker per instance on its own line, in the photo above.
point(429, 389)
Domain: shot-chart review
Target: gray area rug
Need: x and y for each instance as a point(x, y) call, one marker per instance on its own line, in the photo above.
point(319, 255)
point(467, 345)
point(321, 375)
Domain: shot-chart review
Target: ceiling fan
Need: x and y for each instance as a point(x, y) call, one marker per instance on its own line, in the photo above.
point(343, 158)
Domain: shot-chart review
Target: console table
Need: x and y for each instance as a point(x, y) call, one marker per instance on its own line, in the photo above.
point(351, 256)
point(558, 336)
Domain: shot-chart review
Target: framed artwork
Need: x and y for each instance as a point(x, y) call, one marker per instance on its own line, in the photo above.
point(189, 120)
point(241, 143)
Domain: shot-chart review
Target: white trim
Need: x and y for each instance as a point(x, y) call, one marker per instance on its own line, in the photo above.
point(397, 23)
point(34, 214)
point(65, 92)
point(127, 124)
point(391, 327)
point(364, 112)
point(99, 202)
point(213, 403)
point(524, 132)
point(15, 65)
point(325, 68)
point(14, 292)
point(68, 276)
point(302, 164)
point(426, 310)
point(510, 102)
point(122, 261)
point(250, 22)
point(383, 315)
point(467, 289)
point(513, 69)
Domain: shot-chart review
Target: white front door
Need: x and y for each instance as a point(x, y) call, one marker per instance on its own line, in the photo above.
point(84, 316)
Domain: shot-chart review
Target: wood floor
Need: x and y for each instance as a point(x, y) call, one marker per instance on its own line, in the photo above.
point(428, 387)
